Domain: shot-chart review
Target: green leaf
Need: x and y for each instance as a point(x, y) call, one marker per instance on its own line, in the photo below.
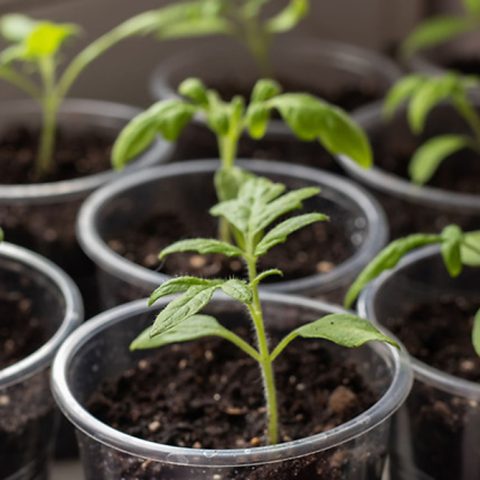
point(280, 233)
point(452, 238)
point(266, 215)
point(472, 6)
point(228, 182)
point(401, 92)
point(342, 329)
point(15, 27)
point(476, 333)
point(267, 273)
point(264, 90)
point(310, 119)
point(431, 154)
point(430, 94)
point(194, 89)
point(470, 249)
point(180, 285)
point(436, 31)
point(183, 308)
point(2, 235)
point(289, 17)
point(258, 117)
point(238, 289)
point(46, 39)
point(197, 326)
point(168, 118)
point(387, 259)
point(202, 246)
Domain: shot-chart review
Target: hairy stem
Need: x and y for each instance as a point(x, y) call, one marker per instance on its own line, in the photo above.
point(266, 365)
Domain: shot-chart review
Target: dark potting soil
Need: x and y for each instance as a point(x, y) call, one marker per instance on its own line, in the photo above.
point(315, 249)
point(21, 331)
point(77, 154)
point(207, 394)
point(439, 334)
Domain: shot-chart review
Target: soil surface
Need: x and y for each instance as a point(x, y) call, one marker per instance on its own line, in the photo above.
point(78, 154)
point(21, 331)
point(207, 394)
point(440, 440)
point(315, 249)
point(439, 334)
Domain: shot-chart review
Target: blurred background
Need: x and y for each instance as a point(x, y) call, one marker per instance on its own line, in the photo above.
point(378, 24)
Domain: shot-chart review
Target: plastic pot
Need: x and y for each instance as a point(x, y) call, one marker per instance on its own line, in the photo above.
point(321, 67)
point(99, 351)
point(437, 430)
point(185, 190)
point(51, 208)
point(412, 208)
point(28, 416)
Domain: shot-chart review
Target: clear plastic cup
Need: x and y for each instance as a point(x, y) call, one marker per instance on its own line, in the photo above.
point(52, 207)
point(28, 416)
point(99, 351)
point(436, 432)
point(433, 208)
point(306, 63)
point(188, 187)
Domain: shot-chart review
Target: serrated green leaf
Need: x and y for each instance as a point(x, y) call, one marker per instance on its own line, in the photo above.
point(46, 38)
point(472, 6)
point(429, 95)
point(312, 119)
point(280, 233)
point(180, 285)
point(202, 246)
point(228, 182)
point(401, 92)
point(431, 154)
point(194, 89)
point(289, 17)
point(264, 90)
point(15, 27)
point(183, 308)
point(387, 259)
point(476, 333)
point(343, 329)
point(436, 31)
point(238, 290)
point(471, 249)
point(167, 118)
point(452, 238)
point(196, 327)
point(266, 215)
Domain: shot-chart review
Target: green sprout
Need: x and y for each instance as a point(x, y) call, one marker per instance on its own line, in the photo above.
point(309, 118)
point(243, 20)
point(254, 215)
point(423, 93)
point(443, 28)
point(458, 250)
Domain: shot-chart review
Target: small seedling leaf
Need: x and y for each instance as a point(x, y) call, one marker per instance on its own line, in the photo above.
point(195, 90)
point(183, 308)
point(387, 259)
point(228, 182)
point(202, 246)
point(264, 90)
point(267, 273)
point(238, 290)
point(401, 92)
point(280, 233)
point(452, 239)
point(471, 249)
point(289, 17)
point(476, 333)
point(436, 31)
point(180, 285)
point(258, 116)
point(46, 39)
point(197, 326)
point(431, 154)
